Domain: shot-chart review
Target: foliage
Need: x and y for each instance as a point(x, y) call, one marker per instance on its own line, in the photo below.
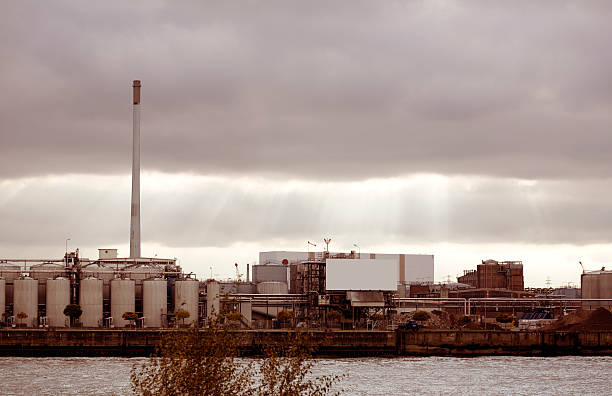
point(131, 316)
point(181, 314)
point(190, 363)
point(421, 316)
point(285, 316)
point(233, 316)
point(286, 369)
point(73, 311)
point(334, 315)
point(437, 312)
point(194, 362)
point(463, 320)
point(378, 316)
point(21, 315)
point(504, 318)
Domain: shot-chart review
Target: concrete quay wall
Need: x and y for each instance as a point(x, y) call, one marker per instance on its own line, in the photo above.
point(140, 342)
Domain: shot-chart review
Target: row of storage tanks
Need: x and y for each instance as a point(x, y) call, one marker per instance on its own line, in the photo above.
point(49, 287)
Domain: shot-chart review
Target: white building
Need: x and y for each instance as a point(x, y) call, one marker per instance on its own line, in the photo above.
point(412, 268)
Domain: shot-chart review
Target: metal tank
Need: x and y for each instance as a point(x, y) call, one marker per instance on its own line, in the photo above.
point(122, 300)
point(143, 272)
point(272, 288)
point(46, 271)
point(58, 296)
point(25, 299)
point(212, 298)
point(186, 293)
point(106, 273)
point(42, 272)
point(154, 302)
point(597, 284)
point(2, 297)
point(10, 272)
point(90, 300)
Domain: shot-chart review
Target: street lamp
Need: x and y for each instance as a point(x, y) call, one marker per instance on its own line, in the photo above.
point(358, 248)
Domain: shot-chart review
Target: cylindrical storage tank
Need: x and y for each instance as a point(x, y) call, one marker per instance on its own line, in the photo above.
point(212, 299)
point(58, 296)
point(2, 297)
point(596, 284)
point(10, 272)
point(106, 273)
point(25, 299)
point(46, 271)
point(272, 288)
point(154, 301)
point(143, 272)
point(90, 300)
point(186, 298)
point(122, 300)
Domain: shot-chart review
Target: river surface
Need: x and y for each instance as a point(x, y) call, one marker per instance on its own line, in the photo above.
point(498, 375)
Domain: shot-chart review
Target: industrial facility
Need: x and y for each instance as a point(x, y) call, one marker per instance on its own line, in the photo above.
point(287, 288)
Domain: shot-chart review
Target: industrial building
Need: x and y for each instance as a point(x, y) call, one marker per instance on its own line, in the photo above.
point(34, 294)
point(596, 285)
point(491, 274)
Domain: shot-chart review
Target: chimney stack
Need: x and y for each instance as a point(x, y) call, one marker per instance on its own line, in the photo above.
point(135, 216)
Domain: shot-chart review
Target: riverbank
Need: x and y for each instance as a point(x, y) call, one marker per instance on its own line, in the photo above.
point(140, 342)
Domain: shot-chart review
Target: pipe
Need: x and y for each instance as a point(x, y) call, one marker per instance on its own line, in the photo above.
point(135, 208)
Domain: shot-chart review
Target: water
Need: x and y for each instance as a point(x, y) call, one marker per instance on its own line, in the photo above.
point(367, 376)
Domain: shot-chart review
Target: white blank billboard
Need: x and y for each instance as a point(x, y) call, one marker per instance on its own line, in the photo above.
point(364, 274)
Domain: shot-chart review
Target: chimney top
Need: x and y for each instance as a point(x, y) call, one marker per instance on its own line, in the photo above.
point(136, 91)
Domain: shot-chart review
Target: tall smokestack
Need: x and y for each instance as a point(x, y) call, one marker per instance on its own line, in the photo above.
point(135, 219)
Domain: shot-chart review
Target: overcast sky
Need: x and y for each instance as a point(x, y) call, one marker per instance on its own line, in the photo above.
point(467, 130)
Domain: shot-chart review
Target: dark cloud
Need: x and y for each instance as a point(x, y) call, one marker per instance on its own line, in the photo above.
point(340, 90)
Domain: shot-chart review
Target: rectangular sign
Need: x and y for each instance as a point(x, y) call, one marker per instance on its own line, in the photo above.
point(364, 274)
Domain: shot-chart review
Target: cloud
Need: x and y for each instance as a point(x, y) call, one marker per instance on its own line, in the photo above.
point(341, 91)
point(216, 212)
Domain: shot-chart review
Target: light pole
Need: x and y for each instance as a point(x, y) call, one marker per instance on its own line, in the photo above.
point(358, 248)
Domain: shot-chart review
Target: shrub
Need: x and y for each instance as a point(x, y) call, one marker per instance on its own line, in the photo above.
point(334, 315)
point(181, 314)
point(504, 318)
point(421, 316)
point(130, 316)
point(463, 320)
point(73, 311)
point(233, 316)
point(194, 362)
point(284, 316)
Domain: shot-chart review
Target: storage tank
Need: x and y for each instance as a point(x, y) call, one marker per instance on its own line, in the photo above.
point(122, 300)
point(58, 296)
point(597, 284)
point(143, 272)
point(186, 293)
point(272, 288)
point(2, 297)
point(46, 271)
point(212, 298)
point(154, 301)
point(10, 272)
point(42, 272)
point(90, 300)
point(25, 299)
